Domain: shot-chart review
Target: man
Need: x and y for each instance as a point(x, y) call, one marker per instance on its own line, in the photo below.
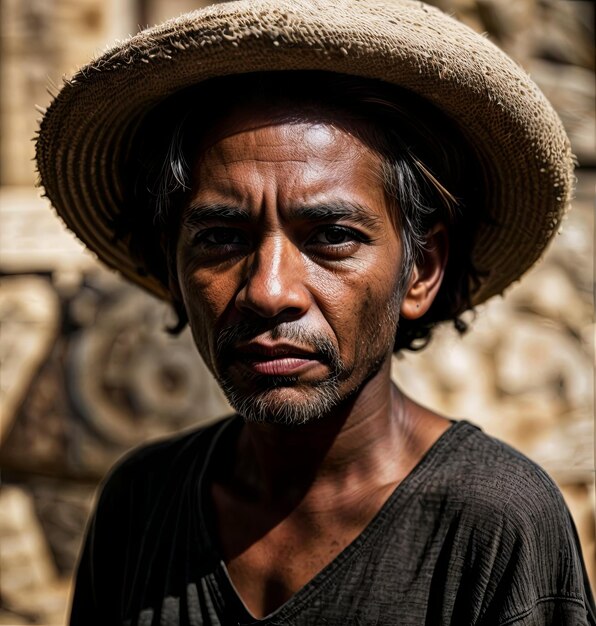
point(313, 186)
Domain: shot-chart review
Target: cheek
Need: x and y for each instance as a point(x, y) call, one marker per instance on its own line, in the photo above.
point(358, 287)
point(377, 315)
point(206, 301)
point(358, 311)
point(205, 294)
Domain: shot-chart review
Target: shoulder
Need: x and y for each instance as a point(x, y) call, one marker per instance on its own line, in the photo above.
point(485, 474)
point(505, 521)
point(160, 465)
point(143, 519)
point(138, 497)
point(508, 520)
point(502, 507)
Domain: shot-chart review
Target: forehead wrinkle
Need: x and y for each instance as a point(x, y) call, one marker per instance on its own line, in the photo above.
point(257, 159)
point(313, 136)
point(231, 151)
point(249, 142)
point(368, 164)
point(214, 176)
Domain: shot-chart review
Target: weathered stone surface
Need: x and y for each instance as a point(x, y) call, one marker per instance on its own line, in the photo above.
point(63, 510)
point(24, 552)
point(34, 239)
point(113, 379)
point(41, 42)
point(30, 588)
point(130, 380)
point(29, 319)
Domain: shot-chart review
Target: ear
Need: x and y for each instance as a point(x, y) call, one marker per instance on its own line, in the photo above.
point(427, 275)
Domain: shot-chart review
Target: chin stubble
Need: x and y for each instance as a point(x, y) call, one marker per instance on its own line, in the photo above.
point(263, 403)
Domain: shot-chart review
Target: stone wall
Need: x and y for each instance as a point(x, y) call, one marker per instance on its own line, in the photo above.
point(88, 372)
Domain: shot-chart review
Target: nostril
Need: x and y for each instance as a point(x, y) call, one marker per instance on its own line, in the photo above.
point(272, 298)
point(267, 305)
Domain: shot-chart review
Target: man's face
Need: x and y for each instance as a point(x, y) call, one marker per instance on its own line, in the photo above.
point(288, 265)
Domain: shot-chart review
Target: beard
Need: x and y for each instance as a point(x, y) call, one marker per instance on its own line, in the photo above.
point(286, 400)
point(281, 400)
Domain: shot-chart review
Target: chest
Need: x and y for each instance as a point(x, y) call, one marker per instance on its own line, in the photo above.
point(270, 556)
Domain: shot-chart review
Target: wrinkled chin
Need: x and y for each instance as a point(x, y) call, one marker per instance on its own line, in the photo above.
point(279, 399)
point(288, 405)
point(288, 401)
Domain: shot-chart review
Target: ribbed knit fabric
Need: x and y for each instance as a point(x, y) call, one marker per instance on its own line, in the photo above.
point(476, 534)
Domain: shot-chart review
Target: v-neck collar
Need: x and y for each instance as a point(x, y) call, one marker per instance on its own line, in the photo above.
point(219, 579)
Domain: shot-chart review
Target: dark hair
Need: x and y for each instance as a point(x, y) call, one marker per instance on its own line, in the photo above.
point(430, 175)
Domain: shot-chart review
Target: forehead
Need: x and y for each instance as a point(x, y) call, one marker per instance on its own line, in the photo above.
point(286, 152)
point(317, 123)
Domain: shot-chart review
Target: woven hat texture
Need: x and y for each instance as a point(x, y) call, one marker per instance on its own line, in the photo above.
point(525, 152)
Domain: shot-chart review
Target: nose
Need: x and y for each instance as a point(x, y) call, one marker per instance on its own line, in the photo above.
point(274, 283)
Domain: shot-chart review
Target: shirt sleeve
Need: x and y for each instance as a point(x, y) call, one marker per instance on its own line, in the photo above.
point(99, 578)
point(545, 581)
point(85, 609)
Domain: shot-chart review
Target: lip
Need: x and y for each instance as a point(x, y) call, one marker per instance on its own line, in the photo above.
point(279, 359)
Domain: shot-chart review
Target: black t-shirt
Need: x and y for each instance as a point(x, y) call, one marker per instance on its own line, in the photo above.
point(476, 534)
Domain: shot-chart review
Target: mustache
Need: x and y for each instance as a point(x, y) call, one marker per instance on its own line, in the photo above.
point(228, 339)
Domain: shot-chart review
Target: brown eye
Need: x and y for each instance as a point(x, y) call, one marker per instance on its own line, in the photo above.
point(214, 237)
point(334, 236)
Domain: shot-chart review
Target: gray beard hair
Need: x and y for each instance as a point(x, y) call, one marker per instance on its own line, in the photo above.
point(262, 405)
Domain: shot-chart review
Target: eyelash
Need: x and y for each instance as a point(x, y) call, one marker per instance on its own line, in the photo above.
point(351, 236)
point(202, 237)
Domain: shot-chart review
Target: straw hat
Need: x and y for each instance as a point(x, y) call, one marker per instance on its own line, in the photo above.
point(86, 131)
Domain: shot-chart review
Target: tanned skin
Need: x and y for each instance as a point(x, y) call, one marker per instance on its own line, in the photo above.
point(289, 498)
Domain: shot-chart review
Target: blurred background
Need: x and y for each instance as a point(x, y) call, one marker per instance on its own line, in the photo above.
point(87, 370)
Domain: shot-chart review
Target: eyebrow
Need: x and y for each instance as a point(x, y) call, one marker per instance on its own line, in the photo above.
point(198, 214)
point(336, 210)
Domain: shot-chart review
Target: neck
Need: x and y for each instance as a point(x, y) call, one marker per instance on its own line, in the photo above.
point(371, 442)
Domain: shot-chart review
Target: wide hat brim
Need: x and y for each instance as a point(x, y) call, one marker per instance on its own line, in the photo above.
point(524, 151)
